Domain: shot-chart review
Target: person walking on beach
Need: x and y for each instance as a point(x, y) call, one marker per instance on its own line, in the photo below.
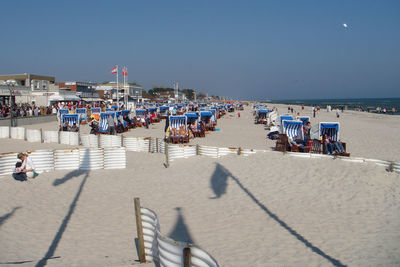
point(337, 113)
point(313, 111)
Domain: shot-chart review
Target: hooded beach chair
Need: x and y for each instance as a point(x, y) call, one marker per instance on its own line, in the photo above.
point(60, 113)
point(319, 130)
point(322, 128)
point(294, 130)
point(205, 116)
point(82, 115)
point(95, 113)
point(103, 125)
point(177, 124)
point(262, 115)
point(282, 118)
point(71, 119)
point(164, 111)
point(304, 119)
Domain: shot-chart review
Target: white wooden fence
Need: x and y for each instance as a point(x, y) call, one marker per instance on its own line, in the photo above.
point(69, 159)
point(156, 145)
point(164, 251)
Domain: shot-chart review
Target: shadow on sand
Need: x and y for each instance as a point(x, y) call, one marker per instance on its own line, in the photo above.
point(180, 231)
point(219, 185)
point(7, 216)
point(57, 238)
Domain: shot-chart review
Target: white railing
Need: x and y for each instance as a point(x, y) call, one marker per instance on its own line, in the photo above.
point(157, 247)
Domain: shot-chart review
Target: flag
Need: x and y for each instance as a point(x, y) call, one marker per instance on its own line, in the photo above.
point(125, 71)
point(114, 70)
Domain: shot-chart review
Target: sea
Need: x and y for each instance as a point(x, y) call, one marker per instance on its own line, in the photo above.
point(361, 104)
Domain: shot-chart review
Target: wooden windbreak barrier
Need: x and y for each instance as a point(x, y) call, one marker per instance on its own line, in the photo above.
point(149, 144)
point(157, 145)
point(166, 155)
point(139, 228)
point(187, 257)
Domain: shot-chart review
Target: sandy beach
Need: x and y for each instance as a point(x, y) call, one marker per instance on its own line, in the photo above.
point(267, 209)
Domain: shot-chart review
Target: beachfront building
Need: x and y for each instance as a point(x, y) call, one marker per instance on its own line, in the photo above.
point(108, 91)
point(86, 91)
point(26, 88)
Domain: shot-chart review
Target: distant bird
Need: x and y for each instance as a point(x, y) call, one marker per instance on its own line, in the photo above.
point(345, 25)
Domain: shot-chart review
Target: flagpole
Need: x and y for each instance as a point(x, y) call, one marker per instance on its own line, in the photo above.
point(126, 85)
point(117, 89)
point(124, 74)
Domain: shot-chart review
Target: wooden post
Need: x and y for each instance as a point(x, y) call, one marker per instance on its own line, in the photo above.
point(166, 155)
point(25, 137)
point(149, 144)
point(197, 150)
point(239, 151)
point(157, 145)
point(391, 167)
point(139, 228)
point(187, 257)
point(41, 134)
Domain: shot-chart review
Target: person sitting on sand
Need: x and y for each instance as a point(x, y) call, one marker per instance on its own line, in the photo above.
point(19, 173)
point(27, 165)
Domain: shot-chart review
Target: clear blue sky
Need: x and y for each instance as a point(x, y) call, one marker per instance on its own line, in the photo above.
point(242, 49)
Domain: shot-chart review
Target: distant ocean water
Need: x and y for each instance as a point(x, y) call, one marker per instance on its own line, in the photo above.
point(365, 104)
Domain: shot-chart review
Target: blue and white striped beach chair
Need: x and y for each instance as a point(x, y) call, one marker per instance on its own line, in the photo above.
point(140, 113)
point(293, 129)
point(95, 110)
point(330, 128)
point(176, 122)
point(103, 125)
point(282, 118)
point(71, 119)
point(82, 114)
point(304, 119)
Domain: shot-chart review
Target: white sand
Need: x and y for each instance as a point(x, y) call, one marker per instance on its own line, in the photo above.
point(261, 210)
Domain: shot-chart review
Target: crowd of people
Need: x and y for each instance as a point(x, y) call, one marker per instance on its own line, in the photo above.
point(25, 110)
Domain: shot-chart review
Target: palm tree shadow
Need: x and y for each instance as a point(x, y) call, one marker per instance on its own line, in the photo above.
point(180, 231)
point(8, 215)
point(222, 171)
